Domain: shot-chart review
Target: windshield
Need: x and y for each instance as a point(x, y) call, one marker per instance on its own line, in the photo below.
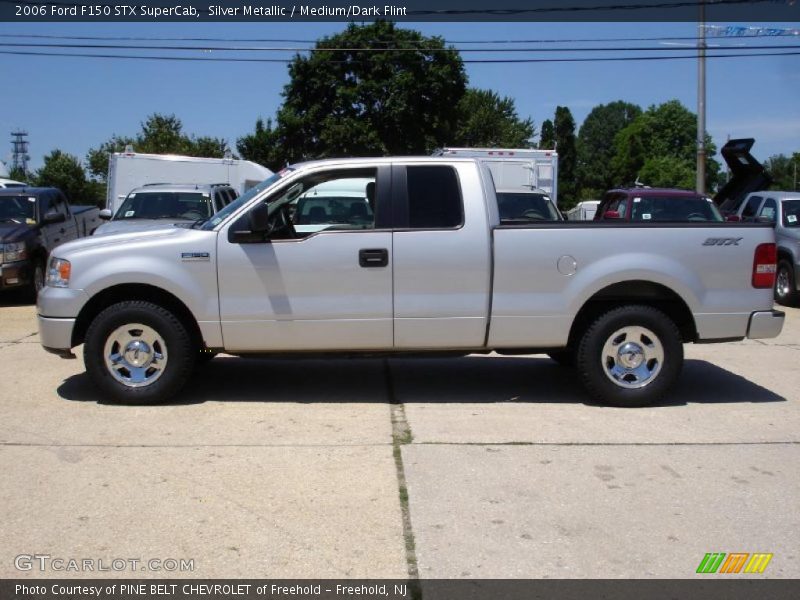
point(18, 209)
point(791, 213)
point(223, 214)
point(165, 205)
point(522, 206)
point(674, 208)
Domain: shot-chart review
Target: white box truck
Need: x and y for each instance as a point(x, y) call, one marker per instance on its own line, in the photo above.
point(521, 168)
point(583, 211)
point(129, 170)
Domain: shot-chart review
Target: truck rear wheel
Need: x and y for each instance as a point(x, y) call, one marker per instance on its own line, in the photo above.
point(630, 356)
point(138, 352)
point(785, 287)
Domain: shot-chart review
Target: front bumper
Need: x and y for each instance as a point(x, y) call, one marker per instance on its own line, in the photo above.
point(55, 335)
point(765, 324)
point(15, 274)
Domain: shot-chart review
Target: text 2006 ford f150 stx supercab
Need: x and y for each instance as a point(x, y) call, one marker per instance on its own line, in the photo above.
point(425, 265)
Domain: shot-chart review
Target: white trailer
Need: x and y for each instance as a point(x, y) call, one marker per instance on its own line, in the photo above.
point(129, 170)
point(524, 169)
point(583, 211)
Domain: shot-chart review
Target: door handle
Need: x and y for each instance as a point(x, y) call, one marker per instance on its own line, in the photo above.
point(62, 230)
point(373, 257)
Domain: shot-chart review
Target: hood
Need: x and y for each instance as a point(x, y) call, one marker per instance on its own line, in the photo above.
point(14, 232)
point(121, 239)
point(129, 225)
point(747, 174)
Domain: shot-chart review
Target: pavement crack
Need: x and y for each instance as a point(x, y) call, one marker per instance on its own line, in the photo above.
point(401, 436)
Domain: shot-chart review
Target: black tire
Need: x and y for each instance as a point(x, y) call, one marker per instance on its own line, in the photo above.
point(609, 380)
point(179, 349)
point(785, 284)
point(205, 356)
point(565, 357)
point(37, 280)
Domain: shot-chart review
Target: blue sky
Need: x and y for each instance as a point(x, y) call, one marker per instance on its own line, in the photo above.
point(74, 104)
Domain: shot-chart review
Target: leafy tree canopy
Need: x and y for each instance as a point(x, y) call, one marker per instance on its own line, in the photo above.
point(665, 131)
point(547, 140)
point(564, 127)
point(487, 120)
point(596, 146)
point(160, 134)
point(784, 171)
point(65, 172)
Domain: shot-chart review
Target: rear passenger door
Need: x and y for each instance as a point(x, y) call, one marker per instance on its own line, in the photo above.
point(442, 263)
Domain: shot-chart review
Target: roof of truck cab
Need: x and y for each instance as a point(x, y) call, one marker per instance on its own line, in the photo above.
point(647, 191)
point(387, 160)
point(178, 187)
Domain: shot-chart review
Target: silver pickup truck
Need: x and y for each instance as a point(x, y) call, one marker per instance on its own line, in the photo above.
point(427, 266)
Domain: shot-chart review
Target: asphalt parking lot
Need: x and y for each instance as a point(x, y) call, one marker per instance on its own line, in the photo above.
point(485, 467)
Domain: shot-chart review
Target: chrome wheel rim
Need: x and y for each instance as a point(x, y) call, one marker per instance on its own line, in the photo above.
point(782, 282)
point(632, 357)
point(135, 355)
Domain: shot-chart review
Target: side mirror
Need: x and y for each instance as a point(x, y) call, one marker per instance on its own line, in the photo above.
point(259, 219)
point(611, 214)
point(53, 217)
point(105, 214)
point(258, 227)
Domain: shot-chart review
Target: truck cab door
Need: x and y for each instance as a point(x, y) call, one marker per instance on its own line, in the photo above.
point(442, 256)
point(326, 285)
point(69, 228)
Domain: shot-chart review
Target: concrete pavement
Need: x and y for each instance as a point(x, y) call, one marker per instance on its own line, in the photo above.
point(286, 468)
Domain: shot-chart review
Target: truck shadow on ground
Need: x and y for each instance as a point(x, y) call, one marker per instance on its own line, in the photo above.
point(472, 379)
point(16, 298)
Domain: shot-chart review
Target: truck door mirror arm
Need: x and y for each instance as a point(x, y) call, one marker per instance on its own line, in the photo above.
point(258, 225)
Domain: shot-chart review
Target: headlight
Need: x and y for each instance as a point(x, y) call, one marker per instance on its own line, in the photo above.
point(13, 252)
point(58, 273)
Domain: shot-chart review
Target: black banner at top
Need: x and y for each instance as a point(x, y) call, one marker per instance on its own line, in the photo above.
point(398, 10)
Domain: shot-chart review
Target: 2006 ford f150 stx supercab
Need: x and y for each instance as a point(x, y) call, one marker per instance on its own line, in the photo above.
point(425, 265)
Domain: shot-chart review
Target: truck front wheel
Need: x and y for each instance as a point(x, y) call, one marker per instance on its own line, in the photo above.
point(138, 352)
point(630, 356)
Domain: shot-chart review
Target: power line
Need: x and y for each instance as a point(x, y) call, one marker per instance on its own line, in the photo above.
point(468, 61)
point(691, 38)
point(421, 49)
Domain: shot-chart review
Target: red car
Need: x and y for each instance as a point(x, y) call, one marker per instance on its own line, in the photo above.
point(656, 204)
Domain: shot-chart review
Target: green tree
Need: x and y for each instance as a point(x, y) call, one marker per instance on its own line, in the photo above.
point(668, 130)
point(547, 139)
point(18, 174)
point(392, 91)
point(596, 146)
point(160, 134)
point(65, 172)
point(564, 127)
point(783, 170)
point(486, 119)
point(261, 146)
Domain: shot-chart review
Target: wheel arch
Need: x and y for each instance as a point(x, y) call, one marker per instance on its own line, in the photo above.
point(637, 291)
point(134, 291)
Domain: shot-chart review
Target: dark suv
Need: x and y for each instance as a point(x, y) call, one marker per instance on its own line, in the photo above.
point(656, 204)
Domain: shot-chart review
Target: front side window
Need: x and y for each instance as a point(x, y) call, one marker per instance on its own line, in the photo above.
point(434, 198)
point(769, 210)
point(165, 205)
point(341, 203)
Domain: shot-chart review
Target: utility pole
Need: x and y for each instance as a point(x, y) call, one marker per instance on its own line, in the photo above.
point(20, 152)
point(701, 100)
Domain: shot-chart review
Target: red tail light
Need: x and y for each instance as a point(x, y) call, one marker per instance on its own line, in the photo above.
point(764, 262)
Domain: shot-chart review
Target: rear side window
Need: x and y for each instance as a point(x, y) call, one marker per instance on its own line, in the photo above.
point(434, 198)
